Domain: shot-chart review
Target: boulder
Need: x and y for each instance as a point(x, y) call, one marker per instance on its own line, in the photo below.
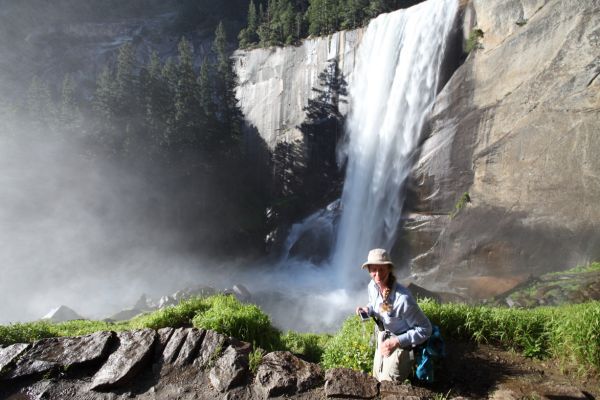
point(8, 355)
point(282, 373)
point(396, 390)
point(347, 383)
point(61, 314)
point(134, 351)
point(231, 369)
point(190, 347)
point(125, 314)
point(174, 344)
point(64, 352)
point(212, 347)
point(241, 292)
point(144, 304)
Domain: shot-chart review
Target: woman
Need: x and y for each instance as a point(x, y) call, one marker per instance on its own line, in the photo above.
point(404, 324)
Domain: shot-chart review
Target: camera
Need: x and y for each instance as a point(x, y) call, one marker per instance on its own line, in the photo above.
point(363, 315)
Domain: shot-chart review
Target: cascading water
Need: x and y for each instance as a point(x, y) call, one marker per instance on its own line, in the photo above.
point(393, 88)
point(391, 91)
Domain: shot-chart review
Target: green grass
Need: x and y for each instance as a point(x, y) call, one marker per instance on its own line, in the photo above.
point(570, 334)
point(226, 315)
point(350, 347)
point(310, 346)
point(580, 269)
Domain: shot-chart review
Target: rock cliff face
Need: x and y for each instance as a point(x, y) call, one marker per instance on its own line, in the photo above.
point(507, 182)
point(275, 84)
point(516, 128)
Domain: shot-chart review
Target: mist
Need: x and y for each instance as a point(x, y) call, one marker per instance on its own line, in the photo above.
point(75, 230)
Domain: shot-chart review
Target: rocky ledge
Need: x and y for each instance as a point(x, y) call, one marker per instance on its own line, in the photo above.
point(183, 363)
point(190, 363)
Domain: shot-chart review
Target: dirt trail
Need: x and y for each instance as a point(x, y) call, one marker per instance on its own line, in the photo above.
point(484, 371)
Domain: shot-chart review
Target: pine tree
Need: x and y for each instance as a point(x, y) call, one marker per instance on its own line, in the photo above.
point(126, 82)
point(186, 105)
point(229, 115)
point(40, 107)
point(69, 116)
point(104, 105)
point(249, 35)
point(169, 79)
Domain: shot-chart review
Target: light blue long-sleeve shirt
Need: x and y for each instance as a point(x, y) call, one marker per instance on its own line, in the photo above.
point(406, 320)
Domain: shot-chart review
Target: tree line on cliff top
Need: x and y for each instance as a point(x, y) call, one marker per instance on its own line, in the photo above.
point(278, 22)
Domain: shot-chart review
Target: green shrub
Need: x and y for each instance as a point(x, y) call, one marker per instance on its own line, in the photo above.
point(308, 346)
point(350, 347)
point(25, 333)
point(473, 40)
point(226, 315)
point(175, 316)
point(255, 358)
point(460, 204)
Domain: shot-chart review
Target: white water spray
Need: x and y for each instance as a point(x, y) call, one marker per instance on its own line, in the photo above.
point(393, 88)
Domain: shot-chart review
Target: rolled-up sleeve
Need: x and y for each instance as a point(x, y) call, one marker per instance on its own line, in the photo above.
point(415, 318)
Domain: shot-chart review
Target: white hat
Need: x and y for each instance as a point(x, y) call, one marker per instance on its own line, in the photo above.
point(378, 257)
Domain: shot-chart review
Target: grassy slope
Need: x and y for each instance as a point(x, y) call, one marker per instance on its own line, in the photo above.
point(569, 333)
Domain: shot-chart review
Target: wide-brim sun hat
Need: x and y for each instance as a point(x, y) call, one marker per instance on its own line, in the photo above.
point(378, 257)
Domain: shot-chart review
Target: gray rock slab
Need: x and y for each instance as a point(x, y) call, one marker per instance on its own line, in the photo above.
point(396, 390)
point(230, 370)
point(135, 349)
point(174, 344)
point(164, 334)
point(190, 347)
point(281, 373)
point(212, 347)
point(10, 354)
point(63, 352)
point(346, 383)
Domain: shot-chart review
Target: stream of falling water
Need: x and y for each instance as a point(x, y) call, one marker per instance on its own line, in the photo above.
point(394, 85)
point(392, 89)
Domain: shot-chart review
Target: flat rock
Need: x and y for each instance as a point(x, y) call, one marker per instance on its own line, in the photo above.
point(281, 373)
point(347, 383)
point(10, 354)
point(230, 370)
point(63, 352)
point(164, 334)
point(396, 390)
point(190, 347)
point(135, 349)
point(550, 391)
point(174, 344)
point(212, 346)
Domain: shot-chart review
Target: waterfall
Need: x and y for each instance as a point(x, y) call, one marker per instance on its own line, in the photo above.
point(392, 89)
point(394, 84)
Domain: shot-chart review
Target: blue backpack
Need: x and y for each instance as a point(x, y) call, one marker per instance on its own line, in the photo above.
point(428, 355)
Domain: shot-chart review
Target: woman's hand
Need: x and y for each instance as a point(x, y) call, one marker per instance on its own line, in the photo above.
point(359, 309)
point(388, 346)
